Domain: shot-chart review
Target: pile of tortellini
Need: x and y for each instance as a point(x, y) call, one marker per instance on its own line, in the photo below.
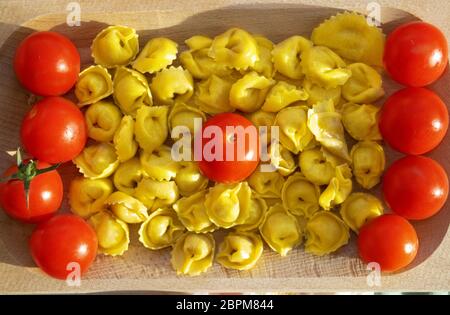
point(312, 89)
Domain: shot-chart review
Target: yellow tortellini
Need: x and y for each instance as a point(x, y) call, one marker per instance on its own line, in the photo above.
point(338, 189)
point(170, 84)
point(128, 175)
point(161, 229)
point(264, 65)
point(351, 37)
point(102, 120)
point(318, 94)
point(240, 250)
point(282, 159)
point(112, 233)
point(156, 194)
point(294, 133)
point(184, 115)
point(126, 208)
point(361, 121)
point(364, 86)
point(266, 184)
point(192, 213)
point(261, 118)
point(368, 163)
point(325, 233)
point(151, 128)
point(189, 179)
point(157, 54)
point(282, 95)
point(123, 140)
point(94, 83)
point(257, 209)
point(115, 46)
point(281, 230)
point(235, 49)
point(287, 55)
point(300, 196)
point(360, 208)
point(212, 95)
point(131, 91)
point(87, 196)
point(248, 93)
point(315, 166)
point(98, 160)
point(158, 164)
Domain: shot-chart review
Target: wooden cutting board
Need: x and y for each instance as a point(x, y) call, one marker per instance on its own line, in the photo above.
point(143, 270)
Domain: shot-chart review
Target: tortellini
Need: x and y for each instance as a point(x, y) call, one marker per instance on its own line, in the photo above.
point(364, 86)
point(266, 184)
point(338, 189)
point(131, 91)
point(115, 46)
point(156, 194)
point(98, 160)
point(87, 196)
point(294, 133)
point(286, 56)
point(193, 253)
point(368, 163)
point(264, 65)
point(360, 208)
point(112, 233)
point(170, 84)
point(282, 159)
point(102, 120)
point(281, 230)
point(300, 196)
point(157, 54)
point(212, 95)
point(318, 94)
point(128, 175)
point(192, 213)
point(161, 229)
point(94, 83)
point(235, 49)
point(315, 166)
point(126, 208)
point(151, 128)
point(184, 115)
point(261, 118)
point(240, 250)
point(158, 164)
point(361, 121)
point(123, 140)
point(282, 95)
point(325, 233)
point(248, 93)
point(189, 179)
point(257, 209)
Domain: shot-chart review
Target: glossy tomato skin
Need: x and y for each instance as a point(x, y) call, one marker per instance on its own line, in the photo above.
point(62, 240)
point(235, 169)
point(415, 187)
point(413, 120)
point(45, 195)
point(47, 63)
point(54, 130)
point(389, 240)
point(416, 54)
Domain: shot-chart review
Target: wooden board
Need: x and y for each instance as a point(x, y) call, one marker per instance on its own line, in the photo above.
point(141, 269)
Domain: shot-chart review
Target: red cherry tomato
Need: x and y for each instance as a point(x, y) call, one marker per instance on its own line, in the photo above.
point(246, 154)
point(416, 54)
point(60, 243)
point(415, 187)
point(388, 240)
point(47, 63)
point(413, 120)
point(54, 130)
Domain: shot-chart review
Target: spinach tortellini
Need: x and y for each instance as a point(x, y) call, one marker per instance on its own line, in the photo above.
point(282, 159)
point(161, 229)
point(87, 196)
point(158, 164)
point(189, 179)
point(315, 166)
point(151, 127)
point(282, 95)
point(266, 184)
point(102, 120)
point(94, 83)
point(193, 253)
point(300, 196)
point(281, 230)
point(126, 208)
point(115, 46)
point(123, 140)
point(325, 233)
point(364, 86)
point(287, 55)
point(368, 163)
point(338, 189)
point(98, 160)
point(184, 115)
point(156, 194)
point(360, 208)
point(170, 84)
point(240, 250)
point(361, 121)
point(128, 175)
point(318, 94)
point(157, 54)
point(212, 95)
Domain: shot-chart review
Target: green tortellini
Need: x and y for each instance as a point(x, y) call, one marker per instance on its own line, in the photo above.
point(212, 95)
point(318, 94)
point(266, 184)
point(315, 166)
point(282, 95)
point(300, 196)
point(170, 84)
point(189, 179)
point(282, 159)
point(184, 115)
point(115, 46)
point(281, 230)
point(94, 83)
point(368, 163)
point(123, 140)
point(102, 120)
point(264, 65)
point(364, 86)
point(240, 250)
point(161, 229)
point(157, 54)
point(98, 160)
point(193, 253)
point(361, 121)
point(151, 128)
point(257, 209)
point(338, 189)
point(128, 175)
point(325, 233)
point(156, 194)
point(287, 55)
point(87, 196)
point(158, 164)
point(360, 208)
point(126, 208)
